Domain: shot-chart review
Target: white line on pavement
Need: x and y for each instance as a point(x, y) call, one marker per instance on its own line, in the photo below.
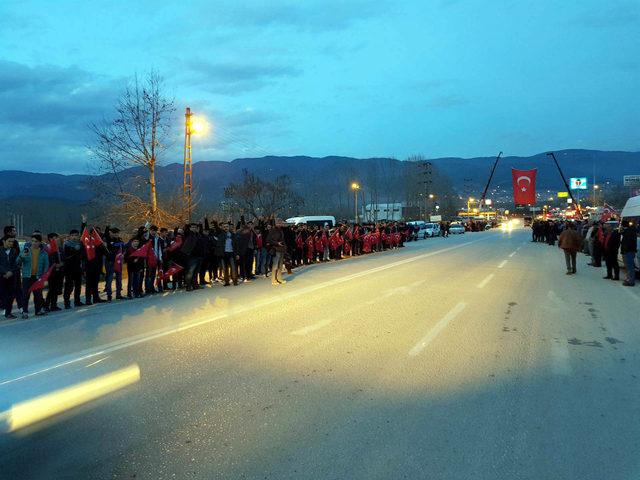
point(512, 254)
point(276, 298)
point(502, 264)
point(485, 281)
point(437, 328)
point(313, 328)
point(560, 359)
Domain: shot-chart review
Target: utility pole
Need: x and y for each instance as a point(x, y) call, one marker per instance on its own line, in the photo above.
point(427, 186)
point(566, 185)
point(187, 185)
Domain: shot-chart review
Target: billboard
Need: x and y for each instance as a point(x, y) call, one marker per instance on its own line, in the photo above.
point(578, 183)
point(631, 180)
point(563, 194)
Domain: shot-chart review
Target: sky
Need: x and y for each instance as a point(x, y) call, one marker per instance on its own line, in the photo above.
point(356, 78)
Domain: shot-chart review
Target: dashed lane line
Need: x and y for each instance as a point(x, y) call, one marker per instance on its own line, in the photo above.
point(485, 281)
point(502, 264)
point(437, 328)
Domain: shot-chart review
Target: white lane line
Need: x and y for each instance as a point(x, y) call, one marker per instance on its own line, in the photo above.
point(485, 281)
point(437, 328)
point(96, 362)
point(560, 359)
point(208, 318)
point(313, 328)
point(502, 264)
point(512, 254)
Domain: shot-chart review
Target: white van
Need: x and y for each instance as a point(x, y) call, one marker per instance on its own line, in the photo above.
point(631, 212)
point(317, 220)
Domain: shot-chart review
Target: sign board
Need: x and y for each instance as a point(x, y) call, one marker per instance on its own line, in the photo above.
point(563, 194)
point(631, 180)
point(488, 201)
point(578, 183)
point(435, 218)
point(569, 200)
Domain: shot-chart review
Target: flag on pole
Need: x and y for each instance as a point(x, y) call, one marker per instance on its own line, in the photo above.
point(141, 252)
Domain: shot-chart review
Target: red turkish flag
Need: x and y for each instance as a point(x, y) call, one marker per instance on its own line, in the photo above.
point(524, 186)
point(152, 260)
point(39, 283)
point(172, 270)
point(51, 247)
point(142, 252)
point(117, 263)
point(87, 241)
point(95, 238)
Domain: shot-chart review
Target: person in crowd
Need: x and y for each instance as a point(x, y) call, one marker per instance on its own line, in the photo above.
point(93, 268)
point(276, 244)
point(597, 239)
point(73, 257)
point(56, 279)
point(192, 247)
point(611, 245)
point(629, 249)
point(113, 262)
point(157, 247)
point(246, 244)
point(135, 269)
point(9, 275)
point(34, 262)
point(571, 242)
point(227, 252)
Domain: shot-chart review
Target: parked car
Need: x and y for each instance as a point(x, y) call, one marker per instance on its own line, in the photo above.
point(631, 212)
point(456, 228)
point(431, 230)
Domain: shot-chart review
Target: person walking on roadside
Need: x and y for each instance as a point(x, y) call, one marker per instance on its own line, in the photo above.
point(276, 245)
point(571, 242)
point(610, 247)
point(629, 249)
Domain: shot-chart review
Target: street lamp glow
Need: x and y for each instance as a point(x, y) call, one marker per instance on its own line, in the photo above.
point(355, 186)
point(431, 195)
point(198, 125)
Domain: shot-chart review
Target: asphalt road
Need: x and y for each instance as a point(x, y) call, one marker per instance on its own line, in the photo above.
point(472, 357)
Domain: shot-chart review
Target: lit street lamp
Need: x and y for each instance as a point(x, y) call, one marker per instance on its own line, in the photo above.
point(355, 187)
point(469, 200)
point(192, 125)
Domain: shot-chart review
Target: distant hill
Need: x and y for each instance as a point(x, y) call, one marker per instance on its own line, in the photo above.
point(210, 177)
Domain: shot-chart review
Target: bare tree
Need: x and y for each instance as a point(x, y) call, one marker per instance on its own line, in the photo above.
point(261, 198)
point(137, 136)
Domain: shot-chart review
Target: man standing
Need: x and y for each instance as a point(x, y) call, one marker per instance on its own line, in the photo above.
point(227, 251)
point(34, 262)
point(276, 244)
point(611, 245)
point(73, 254)
point(57, 275)
point(628, 249)
point(571, 242)
point(9, 275)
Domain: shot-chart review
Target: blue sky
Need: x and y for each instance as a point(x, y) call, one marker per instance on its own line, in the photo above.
point(357, 78)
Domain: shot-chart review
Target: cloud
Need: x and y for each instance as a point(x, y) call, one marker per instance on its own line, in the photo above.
point(227, 77)
point(46, 110)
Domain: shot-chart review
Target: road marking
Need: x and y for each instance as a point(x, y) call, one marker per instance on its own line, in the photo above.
point(437, 328)
point(96, 362)
point(560, 359)
point(208, 318)
point(485, 281)
point(512, 254)
point(312, 328)
point(502, 264)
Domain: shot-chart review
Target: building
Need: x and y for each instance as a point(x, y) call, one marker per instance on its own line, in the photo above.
point(373, 212)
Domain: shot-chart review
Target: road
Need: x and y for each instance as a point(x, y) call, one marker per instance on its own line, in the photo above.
point(472, 357)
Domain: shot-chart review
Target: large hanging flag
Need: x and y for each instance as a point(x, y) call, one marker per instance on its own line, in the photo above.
point(524, 186)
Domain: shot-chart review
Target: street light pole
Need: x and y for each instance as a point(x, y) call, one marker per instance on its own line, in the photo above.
point(187, 185)
point(355, 187)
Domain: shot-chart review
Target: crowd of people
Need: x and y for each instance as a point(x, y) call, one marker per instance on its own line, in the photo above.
point(599, 240)
point(91, 263)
